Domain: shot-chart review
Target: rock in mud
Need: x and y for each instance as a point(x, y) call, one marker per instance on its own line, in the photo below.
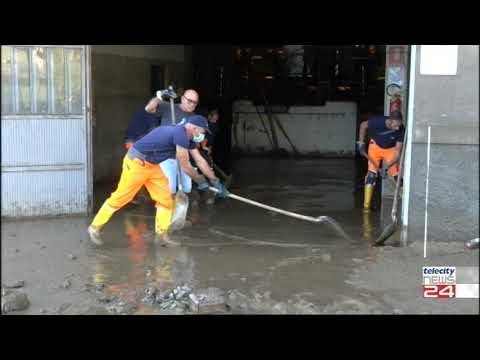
point(472, 244)
point(237, 300)
point(150, 295)
point(66, 284)
point(211, 301)
point(14, 301)
point(71, 257)
point(151, 291)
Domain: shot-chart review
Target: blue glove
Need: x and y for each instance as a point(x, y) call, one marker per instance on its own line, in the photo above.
point(222, 190)
point(203, 185)
point(360, 147)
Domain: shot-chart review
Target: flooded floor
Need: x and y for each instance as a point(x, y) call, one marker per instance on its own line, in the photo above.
point(264, 262)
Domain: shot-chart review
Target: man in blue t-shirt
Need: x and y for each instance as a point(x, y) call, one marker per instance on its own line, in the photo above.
point(142, 123)
point(151, 162)
point(158, 112)
point(386, 141)
point(186, 108)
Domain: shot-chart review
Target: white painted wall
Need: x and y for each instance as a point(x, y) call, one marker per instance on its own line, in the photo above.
point(164, 52)
point(314, 130)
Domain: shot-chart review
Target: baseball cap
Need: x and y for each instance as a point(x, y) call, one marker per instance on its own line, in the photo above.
point(200, 121)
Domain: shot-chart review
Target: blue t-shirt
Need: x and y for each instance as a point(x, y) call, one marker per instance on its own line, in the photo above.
point(384, 137)
point(142, 122)
point(160, 143)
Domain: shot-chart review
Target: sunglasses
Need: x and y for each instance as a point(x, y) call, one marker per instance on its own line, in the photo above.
point(190, 101)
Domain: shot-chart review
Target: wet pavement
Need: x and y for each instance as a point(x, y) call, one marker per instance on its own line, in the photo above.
point(264, 263)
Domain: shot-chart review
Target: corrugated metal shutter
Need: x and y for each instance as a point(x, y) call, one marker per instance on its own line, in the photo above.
point(46, 165)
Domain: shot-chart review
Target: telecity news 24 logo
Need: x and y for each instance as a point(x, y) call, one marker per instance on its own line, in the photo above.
point(447, 282)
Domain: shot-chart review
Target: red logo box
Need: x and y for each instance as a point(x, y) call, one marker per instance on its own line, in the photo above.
point(439, 291)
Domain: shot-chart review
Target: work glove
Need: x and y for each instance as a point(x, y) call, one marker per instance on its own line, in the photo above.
point(203, 185)
point(361, 148)
point(222, 190)
point(166, 94)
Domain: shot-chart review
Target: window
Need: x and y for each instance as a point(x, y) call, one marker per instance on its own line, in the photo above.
point(41, 80)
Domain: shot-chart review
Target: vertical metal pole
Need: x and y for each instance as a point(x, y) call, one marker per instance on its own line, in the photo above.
point(86, 72)
point(172, 109)
point(409, 134)
point(426, 195)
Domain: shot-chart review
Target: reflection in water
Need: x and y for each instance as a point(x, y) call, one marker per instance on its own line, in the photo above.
point(367, 227)
point(127, 270)
point(201, 208)
point(136, 228)
point(123, 272)
point(173, 266)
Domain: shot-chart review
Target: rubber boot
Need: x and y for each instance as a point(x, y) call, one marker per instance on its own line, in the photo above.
point(102, 217)
point(368, 195)
point(163, 219)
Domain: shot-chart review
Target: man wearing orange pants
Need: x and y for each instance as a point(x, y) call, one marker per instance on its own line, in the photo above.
point(144, 166)
point(386, 133)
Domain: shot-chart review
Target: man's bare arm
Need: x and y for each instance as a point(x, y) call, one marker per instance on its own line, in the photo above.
point(184, 160)
point(152, 105)
point(362, 131)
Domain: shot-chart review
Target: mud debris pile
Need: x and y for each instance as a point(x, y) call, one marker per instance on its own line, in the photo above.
point(183, 300)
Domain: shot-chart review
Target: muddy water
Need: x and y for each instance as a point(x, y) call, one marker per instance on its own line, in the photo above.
point(304, 267)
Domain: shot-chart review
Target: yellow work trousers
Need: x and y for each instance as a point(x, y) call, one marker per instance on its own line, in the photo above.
point(135, 174)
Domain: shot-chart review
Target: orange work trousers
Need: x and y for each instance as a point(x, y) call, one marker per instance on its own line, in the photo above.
point(137, 173)
point(379, 154)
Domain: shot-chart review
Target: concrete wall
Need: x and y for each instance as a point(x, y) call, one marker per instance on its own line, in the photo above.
point(325, 131)
point(449, 104)
point(120, 85)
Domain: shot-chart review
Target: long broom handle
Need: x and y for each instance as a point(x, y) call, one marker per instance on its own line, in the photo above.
point(179, 176)
point(274, 209)
point(400, 173)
